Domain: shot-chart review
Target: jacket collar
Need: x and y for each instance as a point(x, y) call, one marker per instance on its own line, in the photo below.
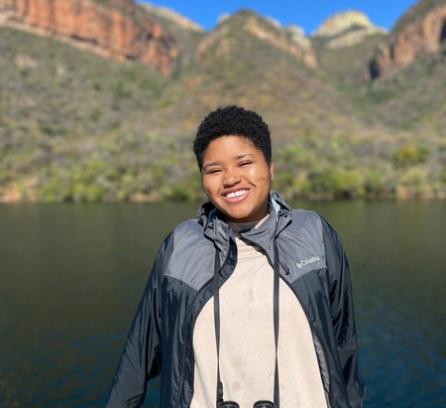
point(217, 230)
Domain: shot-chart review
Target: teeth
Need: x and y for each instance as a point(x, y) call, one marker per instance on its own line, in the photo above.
point(237, 193)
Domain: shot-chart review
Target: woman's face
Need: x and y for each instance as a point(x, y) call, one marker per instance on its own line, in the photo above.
point(237, 178)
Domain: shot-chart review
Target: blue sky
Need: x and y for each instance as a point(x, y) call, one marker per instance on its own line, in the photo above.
point(307, 14)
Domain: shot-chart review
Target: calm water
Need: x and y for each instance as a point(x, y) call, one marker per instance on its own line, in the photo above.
point(71, 277)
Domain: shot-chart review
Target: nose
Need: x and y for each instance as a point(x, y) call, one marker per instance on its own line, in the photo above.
point(231, 178)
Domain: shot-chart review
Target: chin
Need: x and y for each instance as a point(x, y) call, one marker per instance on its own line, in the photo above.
point(240, 213)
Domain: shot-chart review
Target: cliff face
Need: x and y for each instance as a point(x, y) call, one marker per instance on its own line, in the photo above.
point(343, 21)
point(115, 28)
point(291, 39)
point(346, 29)
point(413, 36)
point(173, 16)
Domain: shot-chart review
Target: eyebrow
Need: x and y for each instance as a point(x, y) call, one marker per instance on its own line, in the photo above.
point(240, 156)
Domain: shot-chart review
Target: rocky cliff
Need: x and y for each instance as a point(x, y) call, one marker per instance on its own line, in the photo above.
point(342, 21)
point(346, 29)
point(118, 29)
point(173, 16)
point(291, 39)
point(422, 30)
point(186, 32)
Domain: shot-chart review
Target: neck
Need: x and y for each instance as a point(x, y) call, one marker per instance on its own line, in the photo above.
point(242, 226)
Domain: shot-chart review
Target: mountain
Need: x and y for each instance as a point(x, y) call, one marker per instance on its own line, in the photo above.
point(186, 32)
point(404, 96)
point(344, 45)
point(346, 29)
point(100, 100)
point(249, 60)
point(118, 29)
point(421, 31)
point(171, 16)
point(408, 73)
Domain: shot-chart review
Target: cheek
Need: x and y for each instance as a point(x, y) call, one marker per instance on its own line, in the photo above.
point(209, 186)
point(261, 176)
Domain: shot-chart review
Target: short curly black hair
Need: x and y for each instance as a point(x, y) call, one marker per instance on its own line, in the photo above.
point(232, 120)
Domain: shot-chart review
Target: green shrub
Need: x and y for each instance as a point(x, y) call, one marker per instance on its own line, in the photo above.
point(186, 191)
point(294, 157)
point(337, 182)
point(126, 187)
point(88, 193)
point(56, 187)
point(410, 154)
point(120, 91)
point(414, 183)
point(379, 183)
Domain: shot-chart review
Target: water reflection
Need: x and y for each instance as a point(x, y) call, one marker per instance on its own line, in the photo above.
point(71, 278)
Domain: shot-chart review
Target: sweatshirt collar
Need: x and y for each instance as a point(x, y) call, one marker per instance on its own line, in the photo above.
point(217, 229)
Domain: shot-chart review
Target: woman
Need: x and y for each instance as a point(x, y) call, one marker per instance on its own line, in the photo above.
point(250, 304)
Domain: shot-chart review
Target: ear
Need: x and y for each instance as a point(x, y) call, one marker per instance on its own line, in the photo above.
point(271, 170)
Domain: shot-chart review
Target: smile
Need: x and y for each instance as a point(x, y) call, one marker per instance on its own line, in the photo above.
point(237, 195)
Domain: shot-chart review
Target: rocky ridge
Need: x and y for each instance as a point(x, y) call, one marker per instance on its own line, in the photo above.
point(173, 16)
point(421, 31)
point(297, 35)
point(117, 29)
point(346, 29)
point(291, 39)
point(162, 38)
point(340, 22)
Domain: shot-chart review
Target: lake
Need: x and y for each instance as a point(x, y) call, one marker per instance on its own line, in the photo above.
point(71, 277)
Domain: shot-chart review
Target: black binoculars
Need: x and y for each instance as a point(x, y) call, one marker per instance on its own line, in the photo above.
point(258, 404)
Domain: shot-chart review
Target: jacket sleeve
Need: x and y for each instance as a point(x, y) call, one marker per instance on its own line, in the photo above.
point(141, 358)
point(341, 303)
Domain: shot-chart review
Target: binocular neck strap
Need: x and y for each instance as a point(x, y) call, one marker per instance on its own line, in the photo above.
point(276, 325)
point(217, 325)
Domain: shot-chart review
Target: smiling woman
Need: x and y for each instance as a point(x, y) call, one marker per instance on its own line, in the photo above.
point(237, 178)
point(250, 304)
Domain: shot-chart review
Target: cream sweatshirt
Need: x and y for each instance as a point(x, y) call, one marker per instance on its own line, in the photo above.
point(247, 342)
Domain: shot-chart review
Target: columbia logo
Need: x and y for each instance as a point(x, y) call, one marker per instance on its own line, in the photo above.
point(308, 261)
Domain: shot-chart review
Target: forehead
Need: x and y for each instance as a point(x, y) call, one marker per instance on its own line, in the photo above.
point(230, 146)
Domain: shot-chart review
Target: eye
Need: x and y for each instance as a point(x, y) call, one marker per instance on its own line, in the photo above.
point(245, 163)
point(213, 171)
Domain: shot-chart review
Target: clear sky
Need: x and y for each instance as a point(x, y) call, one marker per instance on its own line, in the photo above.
point(308, 14)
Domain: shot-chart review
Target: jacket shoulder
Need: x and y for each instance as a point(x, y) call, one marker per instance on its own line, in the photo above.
point(307, 220)
point(313, 224)
point(304, 214)
point(190, 257)
point(187, 228)
point(187, 234)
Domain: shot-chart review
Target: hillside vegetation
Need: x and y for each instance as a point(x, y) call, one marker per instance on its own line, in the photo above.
point(77, 127)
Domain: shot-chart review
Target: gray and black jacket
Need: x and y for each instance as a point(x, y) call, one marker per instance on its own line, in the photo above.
point(312, 263)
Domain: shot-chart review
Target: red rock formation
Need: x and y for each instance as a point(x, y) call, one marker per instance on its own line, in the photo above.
point(419, 36)
point(117, 28)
